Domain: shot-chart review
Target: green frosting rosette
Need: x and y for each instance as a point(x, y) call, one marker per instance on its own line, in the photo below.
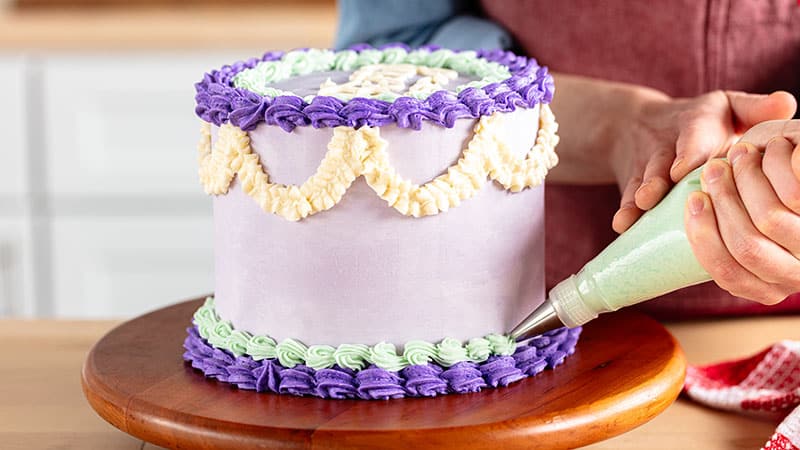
point(291, 352)
point(304, 62)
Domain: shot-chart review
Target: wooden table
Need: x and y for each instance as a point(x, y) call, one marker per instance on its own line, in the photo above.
point(42, 406)
point(206, 27)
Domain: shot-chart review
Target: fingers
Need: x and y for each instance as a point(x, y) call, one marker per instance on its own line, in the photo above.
point(796, 164)
point(780, 163)
point(767, 213)
point(701, 139)
point(751, 249)
point(760, 134)
point(656, 181)
point(706, 131)
point(750, 109)
point(712, 254)
point(628, 213)
point(791, 131)
point(704, 136)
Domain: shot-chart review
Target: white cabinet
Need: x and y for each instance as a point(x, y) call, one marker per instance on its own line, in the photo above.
point(13, 113)
point(123, 123)
point(131, 227)
point(16, 267)
point(123, 266)
point(16, 284)
point(101, 210)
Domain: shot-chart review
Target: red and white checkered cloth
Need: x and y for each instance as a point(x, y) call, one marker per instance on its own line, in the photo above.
point(767, 384)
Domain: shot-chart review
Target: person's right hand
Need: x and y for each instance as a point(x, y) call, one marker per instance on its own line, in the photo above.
point(744, 226)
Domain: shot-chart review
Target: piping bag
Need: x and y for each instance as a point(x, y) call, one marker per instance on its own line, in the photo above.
point(653, 257)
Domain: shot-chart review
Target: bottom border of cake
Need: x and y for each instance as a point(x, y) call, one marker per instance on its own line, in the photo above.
point(374, 383)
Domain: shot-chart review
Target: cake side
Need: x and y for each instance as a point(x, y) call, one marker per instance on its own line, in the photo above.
point(361, 272)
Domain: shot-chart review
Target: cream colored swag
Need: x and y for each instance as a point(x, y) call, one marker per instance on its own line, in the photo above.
point(362, 152)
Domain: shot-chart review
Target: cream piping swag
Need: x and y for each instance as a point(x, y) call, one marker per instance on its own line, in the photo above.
point(362, 152)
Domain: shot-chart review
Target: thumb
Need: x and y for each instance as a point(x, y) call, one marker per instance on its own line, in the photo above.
point(750, 109)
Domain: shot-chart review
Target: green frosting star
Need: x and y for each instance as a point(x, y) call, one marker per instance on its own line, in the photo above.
point(320, 357)
point(290, 352)
point(296, 63)
point(352, 356)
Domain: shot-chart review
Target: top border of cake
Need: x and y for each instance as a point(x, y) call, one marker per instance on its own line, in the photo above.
point(218, 101)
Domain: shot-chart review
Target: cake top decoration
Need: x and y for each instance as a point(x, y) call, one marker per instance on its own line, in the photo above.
point(370, 86)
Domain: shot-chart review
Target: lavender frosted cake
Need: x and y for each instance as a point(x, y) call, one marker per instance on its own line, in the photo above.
point(379, 221)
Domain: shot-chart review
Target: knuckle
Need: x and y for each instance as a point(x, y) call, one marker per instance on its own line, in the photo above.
point(793, 200)
point(693, 233)
point(741, 293)
point(765, 296)
point(697, 234)
point(742, 168)
point(777, 141)
point(723, 190)
point(719, 93)
point(726, 275)
point(748, 252)
point(771, 298)
point(794, 280)
point(771, 223)
point(631, 187)
point(635, 180)
point(662, 155)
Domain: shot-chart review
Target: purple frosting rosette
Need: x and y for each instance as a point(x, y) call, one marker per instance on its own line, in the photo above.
point(218, 101)
point(374, 383)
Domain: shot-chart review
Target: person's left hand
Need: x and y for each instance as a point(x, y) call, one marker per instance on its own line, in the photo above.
point(744, 226)
point(665, 138)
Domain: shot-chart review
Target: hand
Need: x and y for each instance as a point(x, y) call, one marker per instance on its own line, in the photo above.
point(666, 138)
point(744, 227)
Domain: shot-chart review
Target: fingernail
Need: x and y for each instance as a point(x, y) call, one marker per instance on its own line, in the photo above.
point(676, 164)
point(696, 205)
point(712, 172)
point(642, 186)
point(736, 152)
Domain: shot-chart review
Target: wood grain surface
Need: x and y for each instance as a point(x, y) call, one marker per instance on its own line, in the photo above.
point(42, 406)
point(627, 369)
point(200, 27)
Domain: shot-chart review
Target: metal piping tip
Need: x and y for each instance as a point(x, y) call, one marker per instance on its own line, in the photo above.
point(542, 319)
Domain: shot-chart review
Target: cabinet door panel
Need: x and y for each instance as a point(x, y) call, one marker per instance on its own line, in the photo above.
point(13, 111)
point(124, 266)
point(16, 286)
point(123, 123)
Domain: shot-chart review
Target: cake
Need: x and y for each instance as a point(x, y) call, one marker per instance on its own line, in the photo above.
point(378, 221)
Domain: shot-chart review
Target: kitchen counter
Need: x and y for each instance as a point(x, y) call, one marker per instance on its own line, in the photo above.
point(156, 28)
point(42, 406)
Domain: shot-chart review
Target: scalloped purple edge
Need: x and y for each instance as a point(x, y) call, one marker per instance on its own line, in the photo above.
point(218, 102)
point(373, 383)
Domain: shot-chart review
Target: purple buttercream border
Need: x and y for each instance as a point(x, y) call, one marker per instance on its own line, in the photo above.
point(218, 102)
point(373, 383)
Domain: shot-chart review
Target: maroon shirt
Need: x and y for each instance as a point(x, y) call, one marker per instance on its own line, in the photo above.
point(681, 47)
